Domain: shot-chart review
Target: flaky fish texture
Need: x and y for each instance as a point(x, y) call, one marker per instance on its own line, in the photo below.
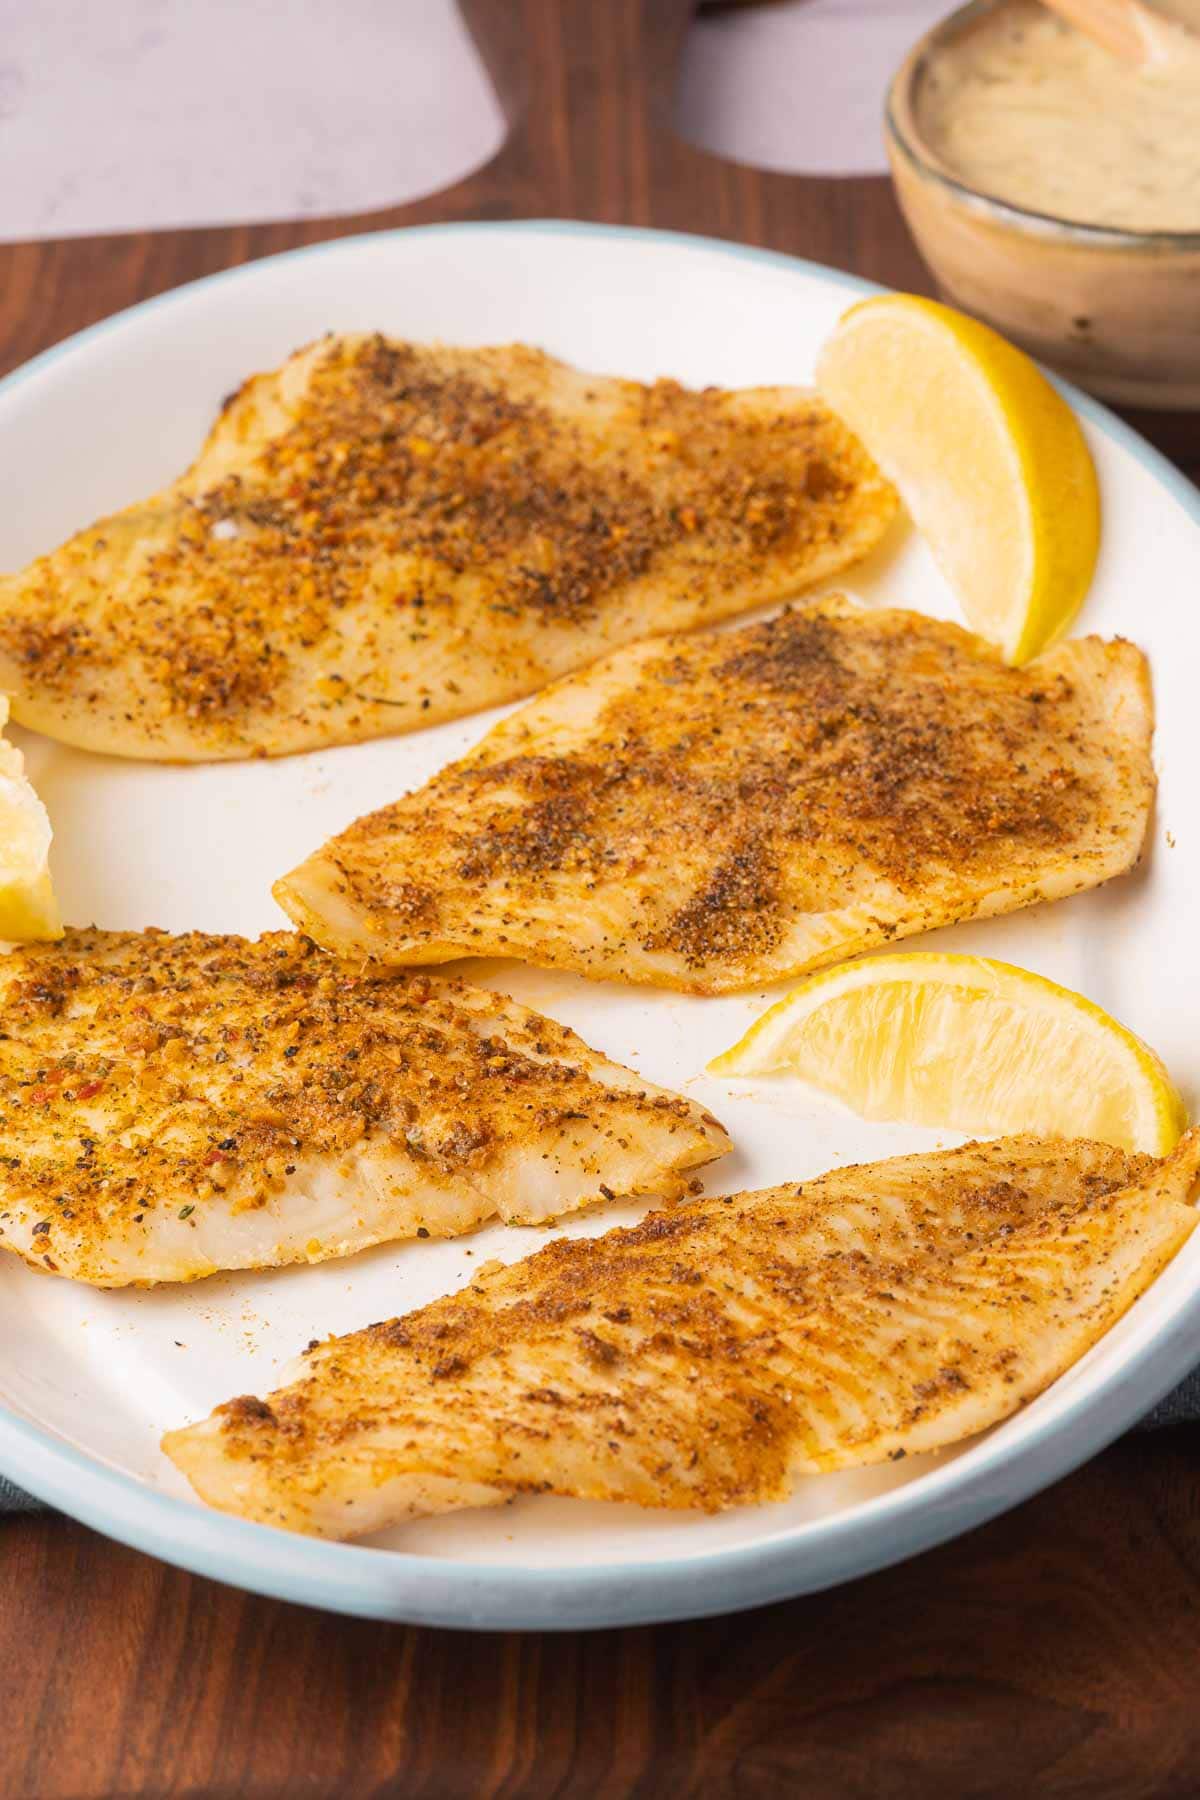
point(711, 1354)
point(379, 535)
point(170, 1106)
point(715, 811)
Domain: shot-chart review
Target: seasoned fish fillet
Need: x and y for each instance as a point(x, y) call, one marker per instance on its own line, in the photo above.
point(170, 1106)
point(715, 811)
point(711, 1354)
point(379, 535)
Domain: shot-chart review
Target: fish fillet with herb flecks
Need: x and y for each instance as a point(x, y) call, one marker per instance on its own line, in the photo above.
point(379, 535)
point(714, 811)
point(170, 1106)
point(708, 1356)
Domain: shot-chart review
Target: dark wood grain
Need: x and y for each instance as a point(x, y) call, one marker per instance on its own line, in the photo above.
point(1056, 1652)
point(1053, 1653)
point(588, 92)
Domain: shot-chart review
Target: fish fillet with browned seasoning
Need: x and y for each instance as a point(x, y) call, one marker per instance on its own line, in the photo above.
point(170, 1106)
point(712, 1354)
point(379, 535)
point(714, 811)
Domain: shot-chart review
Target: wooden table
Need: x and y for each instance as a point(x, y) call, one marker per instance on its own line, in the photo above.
point(1054, 1652)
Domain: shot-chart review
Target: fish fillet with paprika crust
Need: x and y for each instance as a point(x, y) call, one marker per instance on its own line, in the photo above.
point(170, 1106)
point(715, 811)
point(710, 1355)
point(379, 535)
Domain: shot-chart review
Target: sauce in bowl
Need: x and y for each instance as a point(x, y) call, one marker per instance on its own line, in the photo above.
point(1023, 107)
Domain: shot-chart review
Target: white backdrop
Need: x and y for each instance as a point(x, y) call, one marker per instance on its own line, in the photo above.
point(800, 86)
point(130, 114)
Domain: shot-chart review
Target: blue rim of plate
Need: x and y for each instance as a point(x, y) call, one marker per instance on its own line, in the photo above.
point(423, 1590)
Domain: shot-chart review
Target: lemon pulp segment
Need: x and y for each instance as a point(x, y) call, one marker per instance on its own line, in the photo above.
point(28, 909)
point(969, 1044)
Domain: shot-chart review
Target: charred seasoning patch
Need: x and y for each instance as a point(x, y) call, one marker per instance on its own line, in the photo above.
point(799, 653)
point(48, 650)
point(550, 830)
point(736, 914)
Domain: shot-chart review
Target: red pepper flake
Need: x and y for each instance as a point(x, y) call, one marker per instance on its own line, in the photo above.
point(45, 1089)
point(89, 1090)
point(214, 1156)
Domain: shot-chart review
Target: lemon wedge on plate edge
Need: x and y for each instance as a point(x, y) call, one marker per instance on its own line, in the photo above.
point(968, 1044)
point(987, 455)
point(28, 909)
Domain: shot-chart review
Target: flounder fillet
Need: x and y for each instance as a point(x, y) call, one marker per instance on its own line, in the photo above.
point(170, 1106)
point(714, 811)
point(379, 535)
point(711, 1354)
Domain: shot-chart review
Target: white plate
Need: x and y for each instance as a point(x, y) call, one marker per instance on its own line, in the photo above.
point(88, 1381)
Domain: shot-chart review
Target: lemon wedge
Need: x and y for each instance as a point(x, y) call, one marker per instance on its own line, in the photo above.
point(987, 455)
point(28, 909)
point(968, 1044)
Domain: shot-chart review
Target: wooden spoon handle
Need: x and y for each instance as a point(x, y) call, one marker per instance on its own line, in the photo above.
point(1135, 33)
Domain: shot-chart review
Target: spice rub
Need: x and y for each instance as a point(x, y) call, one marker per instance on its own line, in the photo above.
point(708, 1356)
point(380, 535)
point(170, 1106)
point(713, 811)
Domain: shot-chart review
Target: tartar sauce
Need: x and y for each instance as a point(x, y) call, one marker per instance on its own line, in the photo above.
point(1025, 108)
